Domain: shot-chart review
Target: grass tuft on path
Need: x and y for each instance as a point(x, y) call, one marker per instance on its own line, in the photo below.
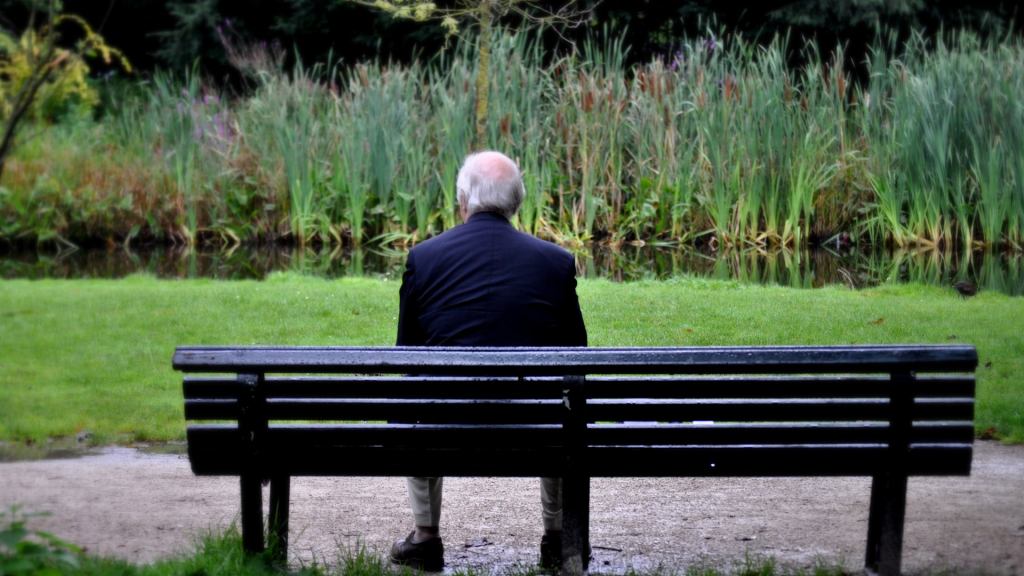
point(95, 355)
point(25, 552)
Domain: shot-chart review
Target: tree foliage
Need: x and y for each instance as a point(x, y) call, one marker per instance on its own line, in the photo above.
point(40, 76)
point(177, 33)
point(453, 15)
point(193, 33)
point(484, 15)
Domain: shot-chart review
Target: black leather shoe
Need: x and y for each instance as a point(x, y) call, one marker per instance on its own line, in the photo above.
point(427, 555)
point(551, 551)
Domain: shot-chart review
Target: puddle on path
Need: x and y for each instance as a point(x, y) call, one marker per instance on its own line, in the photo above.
point(79, 447)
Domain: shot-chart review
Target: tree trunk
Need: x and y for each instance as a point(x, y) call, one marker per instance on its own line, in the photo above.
point(41, 72)
point(483, 74)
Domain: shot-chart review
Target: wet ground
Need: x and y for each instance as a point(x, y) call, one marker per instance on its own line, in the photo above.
point(143, 504)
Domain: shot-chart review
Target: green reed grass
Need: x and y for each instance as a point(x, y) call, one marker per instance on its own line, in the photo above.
point(520, 104)
point(177, 130)
point(452, 113)
point(720, 140)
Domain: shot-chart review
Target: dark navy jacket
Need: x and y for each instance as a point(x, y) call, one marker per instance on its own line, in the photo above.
point(483, 283)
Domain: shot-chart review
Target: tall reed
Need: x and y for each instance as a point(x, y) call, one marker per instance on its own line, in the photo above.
point(177, 131)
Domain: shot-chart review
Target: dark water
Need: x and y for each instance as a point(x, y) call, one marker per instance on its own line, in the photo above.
point(803, 269)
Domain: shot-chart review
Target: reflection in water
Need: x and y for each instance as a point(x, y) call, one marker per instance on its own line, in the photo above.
point(815, 267)
point(240, 264)
point(800, 269)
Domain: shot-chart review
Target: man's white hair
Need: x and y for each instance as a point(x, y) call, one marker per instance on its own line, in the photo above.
point(489, 181)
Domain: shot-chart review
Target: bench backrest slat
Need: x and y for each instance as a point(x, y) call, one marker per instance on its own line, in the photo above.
point(773, 433)
point(757, 410)
point(221, 451)
point(627, 434)
point(782, 460)
point(543, 411)
point(597, 387)
point(559, 361)
point(380, 387)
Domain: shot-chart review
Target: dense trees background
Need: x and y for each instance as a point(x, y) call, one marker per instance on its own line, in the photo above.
point(178, 33)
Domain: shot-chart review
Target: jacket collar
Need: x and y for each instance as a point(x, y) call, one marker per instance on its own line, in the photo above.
point(488, 217)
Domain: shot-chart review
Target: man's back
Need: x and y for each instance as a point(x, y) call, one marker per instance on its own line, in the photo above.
point(483, 283)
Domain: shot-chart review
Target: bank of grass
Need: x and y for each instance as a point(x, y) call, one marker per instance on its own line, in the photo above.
point(95, 355)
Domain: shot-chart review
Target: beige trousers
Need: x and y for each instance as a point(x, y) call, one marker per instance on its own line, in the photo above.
point(425, 499)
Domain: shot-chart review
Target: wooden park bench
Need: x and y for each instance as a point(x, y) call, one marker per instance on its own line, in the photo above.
point(887, 412)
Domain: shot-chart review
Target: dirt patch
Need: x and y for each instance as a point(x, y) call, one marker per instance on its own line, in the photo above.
point(141, 506)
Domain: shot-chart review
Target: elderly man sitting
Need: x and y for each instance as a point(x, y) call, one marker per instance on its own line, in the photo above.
point(483, 283)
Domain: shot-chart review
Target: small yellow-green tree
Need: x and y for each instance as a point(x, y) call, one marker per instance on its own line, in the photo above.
point(483, 14)
point(39, 75)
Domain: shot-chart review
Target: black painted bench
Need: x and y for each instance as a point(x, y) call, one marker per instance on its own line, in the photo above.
point(888, 412)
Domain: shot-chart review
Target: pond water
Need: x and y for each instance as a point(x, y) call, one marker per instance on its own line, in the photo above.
point(809, 268)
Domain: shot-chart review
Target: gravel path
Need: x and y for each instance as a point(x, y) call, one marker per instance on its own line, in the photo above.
point(127, 503)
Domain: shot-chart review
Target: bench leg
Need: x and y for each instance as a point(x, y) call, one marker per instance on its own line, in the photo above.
point(280, 488)
point(575, 525)
point(885, 524)
point(252, 513)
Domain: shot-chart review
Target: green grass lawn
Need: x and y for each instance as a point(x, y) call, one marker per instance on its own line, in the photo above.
point(96, 354)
